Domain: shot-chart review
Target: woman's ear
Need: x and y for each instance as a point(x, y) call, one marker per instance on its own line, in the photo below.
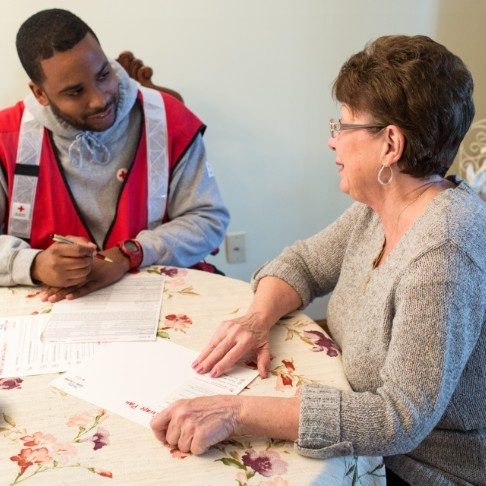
point(394, 145)
point(40, 96)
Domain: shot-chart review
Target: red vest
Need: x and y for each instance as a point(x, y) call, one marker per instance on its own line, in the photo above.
point(54, 209)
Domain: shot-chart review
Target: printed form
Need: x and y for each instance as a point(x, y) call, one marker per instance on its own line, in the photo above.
point(22, 352)
point(125, 311)
point(137, 380)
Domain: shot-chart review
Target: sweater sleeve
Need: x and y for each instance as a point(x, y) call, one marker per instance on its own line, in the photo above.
point(311, 267)
point(438, 317)
point(198, 217)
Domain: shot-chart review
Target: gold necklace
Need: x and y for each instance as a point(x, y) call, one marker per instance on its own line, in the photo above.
point(377, 260)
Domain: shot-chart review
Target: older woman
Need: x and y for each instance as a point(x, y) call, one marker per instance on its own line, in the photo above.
point(406, 264)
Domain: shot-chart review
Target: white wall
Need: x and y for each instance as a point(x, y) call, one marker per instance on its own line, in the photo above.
point(258, 72)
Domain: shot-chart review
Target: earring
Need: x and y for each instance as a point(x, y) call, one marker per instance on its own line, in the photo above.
point(380, 175)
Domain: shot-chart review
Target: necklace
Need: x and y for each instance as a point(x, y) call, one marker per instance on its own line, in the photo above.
point(378, 259)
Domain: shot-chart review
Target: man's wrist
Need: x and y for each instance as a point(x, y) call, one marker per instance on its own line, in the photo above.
point(34, 269)
point(132, 250)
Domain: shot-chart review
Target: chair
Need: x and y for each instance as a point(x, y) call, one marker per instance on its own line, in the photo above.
point(143, 74)
point(471, 157)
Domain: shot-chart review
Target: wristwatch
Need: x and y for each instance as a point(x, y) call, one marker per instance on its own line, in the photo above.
point(133, 250)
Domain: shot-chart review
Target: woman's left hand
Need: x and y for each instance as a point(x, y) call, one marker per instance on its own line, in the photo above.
point(196, 424)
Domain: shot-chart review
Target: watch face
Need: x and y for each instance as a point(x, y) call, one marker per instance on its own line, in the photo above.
point(131, 246)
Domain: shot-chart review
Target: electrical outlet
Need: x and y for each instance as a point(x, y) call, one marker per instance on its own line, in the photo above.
point(235, 247)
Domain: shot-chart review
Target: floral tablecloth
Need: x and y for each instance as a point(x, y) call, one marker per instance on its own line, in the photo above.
point(50, 438)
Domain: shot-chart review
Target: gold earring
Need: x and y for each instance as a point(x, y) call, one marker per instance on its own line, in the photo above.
point(380, 175)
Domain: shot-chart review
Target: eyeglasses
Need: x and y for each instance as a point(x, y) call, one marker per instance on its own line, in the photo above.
point(335, 126)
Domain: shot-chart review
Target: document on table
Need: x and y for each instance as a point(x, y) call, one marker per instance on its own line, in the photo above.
point(23, 353)
point(136, 380)
point(125, 311)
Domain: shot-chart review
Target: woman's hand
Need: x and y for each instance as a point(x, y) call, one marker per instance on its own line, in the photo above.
point(195, 425)
point(231, 341)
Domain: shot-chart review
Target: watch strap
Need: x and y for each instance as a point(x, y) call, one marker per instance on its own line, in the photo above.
point(135, 257)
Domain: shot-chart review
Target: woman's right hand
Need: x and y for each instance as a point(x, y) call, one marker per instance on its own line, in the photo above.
point(232, 340)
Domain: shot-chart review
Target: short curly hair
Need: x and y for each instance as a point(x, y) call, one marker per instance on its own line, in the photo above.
point(420, 86)
point(45, 33)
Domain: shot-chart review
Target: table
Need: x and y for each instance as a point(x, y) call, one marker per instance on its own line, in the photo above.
point(50, 438)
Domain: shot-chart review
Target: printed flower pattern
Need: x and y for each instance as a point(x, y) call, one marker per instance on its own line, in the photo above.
point(100, 438)
point(253, 464)
point(266, 463)
point(10, 383)
point(41, 452)
point(175, 279)
point(105, 474)
point(87, 422)
point(176, 322)
point(174, 276)
point(319, 341)
point(43, 449)
point(173, 272)
point(80, 420)
point(28, 457)
point(322, 342)
point(286, 377)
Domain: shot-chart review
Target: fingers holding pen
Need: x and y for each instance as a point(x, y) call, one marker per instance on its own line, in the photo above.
point(65, 263)
point(73, 246)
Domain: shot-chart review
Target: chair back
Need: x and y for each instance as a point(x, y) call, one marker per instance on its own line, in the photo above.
point(471, 157)
point(143, 74)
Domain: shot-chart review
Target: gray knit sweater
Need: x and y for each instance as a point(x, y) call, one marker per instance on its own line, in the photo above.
point(412, 336)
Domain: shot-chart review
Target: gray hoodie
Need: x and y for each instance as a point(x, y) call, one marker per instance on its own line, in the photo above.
point(91, 162)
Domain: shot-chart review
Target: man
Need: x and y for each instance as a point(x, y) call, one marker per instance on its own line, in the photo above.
point(91, 155)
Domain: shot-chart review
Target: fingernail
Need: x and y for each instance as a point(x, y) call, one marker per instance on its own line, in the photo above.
point(199, 368)
point(195, 364)
point(213, 374)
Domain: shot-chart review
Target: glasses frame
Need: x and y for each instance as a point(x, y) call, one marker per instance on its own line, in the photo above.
point(335, 126)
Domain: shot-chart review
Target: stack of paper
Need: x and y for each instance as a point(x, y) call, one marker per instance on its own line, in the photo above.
point(23, 353)
point(136, 380)
point(125, 311)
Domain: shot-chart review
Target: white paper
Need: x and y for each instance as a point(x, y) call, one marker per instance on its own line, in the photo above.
point(125, 311)
point(137, 380)
point(23, 353)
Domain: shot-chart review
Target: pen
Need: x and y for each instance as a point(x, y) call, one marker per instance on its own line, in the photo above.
point(61, 239)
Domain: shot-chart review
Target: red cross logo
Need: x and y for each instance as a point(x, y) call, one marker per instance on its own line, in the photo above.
point(20, 209)
point(121, 174)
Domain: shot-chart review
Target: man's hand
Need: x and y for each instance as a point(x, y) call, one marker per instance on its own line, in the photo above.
point(63, 265)
point(101, 275)
point(231, 341)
